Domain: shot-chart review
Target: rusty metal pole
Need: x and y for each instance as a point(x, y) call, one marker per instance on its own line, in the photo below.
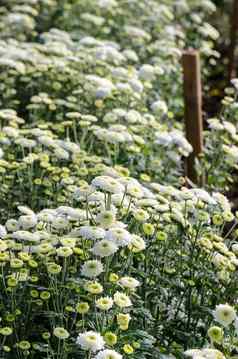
point(193, 108)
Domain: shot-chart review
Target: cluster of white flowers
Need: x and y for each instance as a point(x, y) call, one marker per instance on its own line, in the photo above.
point(204, 354)
point(96, 157)
point(174, 138)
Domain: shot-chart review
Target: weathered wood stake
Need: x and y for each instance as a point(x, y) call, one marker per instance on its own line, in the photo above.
point(233, 41)
point(193, 108)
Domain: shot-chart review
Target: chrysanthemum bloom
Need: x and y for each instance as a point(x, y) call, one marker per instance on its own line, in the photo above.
point(141, 215)
point(134, 190)
point(129, 282)
point(60, 223)
point(6, 331)
point(104, 303)
point(122, 300)
point(204, 354)
point(235, 248)
point(3, 245)
point(108, 354)
point(104, 248)
point(108, 184)
point(110, 338)
point(16, 263)
point(215, 334)
point(27, 221)
point(54, 268)
point(90, 340)
point(92, 268)
point(64, 251)
point(61, 333)
point(120, 236)
point(123, 320)
point(12, 225)
point(91, 232)
point(68, 242)
point(106, 219)
point(224, 314)
point(146, 72)
point(44, 248)
point(128, 349)
point(93, 287)
point(137, 244)
point(24, 345)
point(82, 307)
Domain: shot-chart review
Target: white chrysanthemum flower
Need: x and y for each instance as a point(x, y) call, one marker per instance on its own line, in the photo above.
point(46, 216)
point(104, 303)
point(234, 82)
point(69, 146)
point(61, 333)
point(3, 245)
point(235, 248)
point(72, 213)
point(136, 85)
point(46, 141)
point(120, 236)
point(202, 195)
point(204, 354)
point(103, 92)
point(106, 219)
point(146, 72)
point(10, 131)
point(25, 210)
point(12, 225)
point(131, 55)
point(229, 127)
point(64, 252)
point(159, 107)
point(83, 192)
point(44, 248)
point(224, 314)
point(122, 300)
point(129, 282)
point(90, 340)
point(26, 236)
point(68, 242)
point(28, 221)
point(3, 231)
point(134, 190)
point(104, 248)
point(222, 201)
point(137, 243)
point(91, 232)
point(61, 154)
point(231, 151)
point(120, 199)
point(107, 4)
point(25, 142)
point(141, 215)
point(194, 353)
point(60, 223)
point(108, 184)
point(163, 138)
point(108, 354)
point(92, 268)
point(215, 124)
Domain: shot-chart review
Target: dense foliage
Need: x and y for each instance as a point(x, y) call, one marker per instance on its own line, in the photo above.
point(107, 250)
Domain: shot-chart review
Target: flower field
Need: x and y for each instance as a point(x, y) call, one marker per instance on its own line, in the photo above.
point(107, 249)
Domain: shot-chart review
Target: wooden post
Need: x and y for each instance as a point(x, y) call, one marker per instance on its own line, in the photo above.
point(193, 108)
point(233, 40)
